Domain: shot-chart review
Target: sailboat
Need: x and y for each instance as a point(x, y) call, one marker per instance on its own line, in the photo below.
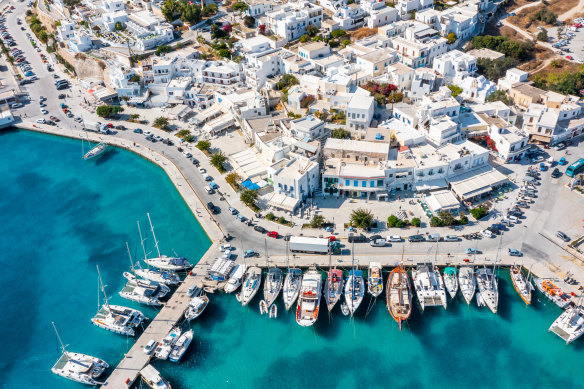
point(570, 324)
point(291, 288)
point(162, 261)
point(399, 295)
point(467, 282)
point(96, 151)
point(488, 288)
point(520, 283)
point(451, 281)
point(333, 286)
point(162, 276)
point(273, 285)
point(429, 286)
point(78, 367)
point(143, 291)
point(181, 346)
point(375, 279)
point(115, 318)
point(309, 299)
point(354, 290)
point(251, 285)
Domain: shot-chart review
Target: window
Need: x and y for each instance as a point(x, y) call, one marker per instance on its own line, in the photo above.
point(364, 184)
point(355, 183)
point(372, 184)
point(379, 182)
point(347, 183)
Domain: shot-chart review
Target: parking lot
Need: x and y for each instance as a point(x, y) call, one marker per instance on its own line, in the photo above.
point(570, 43)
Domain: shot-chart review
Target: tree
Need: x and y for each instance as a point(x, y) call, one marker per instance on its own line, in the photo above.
point(233, 180)
point(451, 38)
point(345, 42)
point(463, 220)
point(338, 33)
point(224, 53)
point(217, 160)
point(227, 27)
point(249, 21)
point(162, 49)
point(161, 122)
point(392, 221)
point(203, 145)
point(542, 36)
point(340, 133)
point(304, 38)
point(209, 10)
point(499, 95)
point(135, 78)
point(105, 111)
point(240, 6)
point(312, 30)
point(435, 222)
point(361, 218)
point(119, 26)
point(249, 197)
point(447, 218)
point(262, 29)
point(416, 222)
point(456, 90)
point(317, 221)
point(413, 14)
point(286, 82)
point(43, 36)
point(478, 213)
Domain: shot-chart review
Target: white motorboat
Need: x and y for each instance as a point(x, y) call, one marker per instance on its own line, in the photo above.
point(354, 290)
point(488, 289)
point(451, 281)
point(181, 346)
point(570, 324)
point(196, 306)
point(235, 278)
point(429, 286)
point(520, 283)
point(162, 261)
point(96, 151)
point(552, 291)
point(251, 285)
point(164, 348)
point(143, 291)
point(291, 288)
point(375, 279)
point(115, 318)
point(467, 282)
point(333, 288)
point(272, 285)
point(153, 378)
point(78, 367)
point(309, 298)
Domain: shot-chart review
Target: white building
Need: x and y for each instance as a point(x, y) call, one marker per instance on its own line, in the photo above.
point(510, 142)
point(65, 30)
point(291, 20)
point(350, 17)
point(148, 30)
point(423, 83)
point(297, 178)
point(476, 89)
point(307, 128)
point(454, 64)
point(512, 77)
point(378, 14)
point(437, 104)
point(257, 8)
point(405, 7)
point(441, 130)
point(360, 110)
point(80, 42)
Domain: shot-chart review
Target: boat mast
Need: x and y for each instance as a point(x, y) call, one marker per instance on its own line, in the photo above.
point(352, 276)
point(59, 337)
point(266, 253)
point(152, 229)
point(142, 240)
point(287, 258)
point(102, 288)
point(130, 255)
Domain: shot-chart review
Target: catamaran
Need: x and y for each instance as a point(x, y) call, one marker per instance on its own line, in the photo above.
point(354, 290)
point(235, 278)
point(466, 280)
point(570, 324)
point(451, 281)
point(551, 291)
point(143, 291)
point(251, 285)
point(399, 295)
point(309, 299)
point(429, 286)
point(375, 279)
point(273, 285)
point(78, 367)
point(520, 283)
point(488, 289)
point(162, 261)
point(153, 378)
point(115, 318)
point(181, 346)
point(96, 151)
point(196, 306)
point(333, 288)
point(164, 348)
point(291, 288)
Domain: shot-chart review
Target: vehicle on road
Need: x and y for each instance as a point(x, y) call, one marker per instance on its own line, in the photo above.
point(487, 233)
point(562, 236)
point(41, 120)
point(433, 238)
point(472, 251)
point(542, 167)
point(575, 168)
point(306, 244)
point(357, 238)
point(209, 190)
point(213, 185)
point(16, 105)
point(416, 238)
point(394, 238)
point(562, 161)
point(515, 253)
point(137, 131)
point(260, 229)
point(377, 243)
point(451, 238)
point(202, 170)
point(240, 217)
point(250, 253)
point(54, 118)
point(44, 111)
point(212, 207)
point(274, 234)
point(207, 177)
point(232, 210)
point(537, 159)
point(560, 146)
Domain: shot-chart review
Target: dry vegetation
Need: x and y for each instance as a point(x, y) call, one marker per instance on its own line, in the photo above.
point(560, 66)
point(361, 33)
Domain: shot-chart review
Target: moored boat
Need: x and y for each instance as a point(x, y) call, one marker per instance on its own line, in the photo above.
point(354, 290)
point(272, 285)
point(488, 288)
point(235, 278)
point(162, 261)
point(522, 287)
point(399, 295)
point(273, 311)
point(196, 306)
point(309, 298)
point(552, 292)
point(143, 291)
point(467, 282)
point(451, 281)
point(429, 286)
point(96, 151)
point(153, 378)
point(375, 279)
point(251, 285)
point(263, 307)
point(181, 346)
point(291, 288)
point(570, 324)
point(333, 288)
point(164, 348)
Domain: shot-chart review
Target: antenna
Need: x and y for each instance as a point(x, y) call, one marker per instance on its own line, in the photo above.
point(152, 229)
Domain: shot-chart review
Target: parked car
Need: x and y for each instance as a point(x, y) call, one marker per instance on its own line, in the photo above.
point(207, 177)
point(472, 251)
point(287, 237)
point(357, 238)
point(377, 243)
point(202, 170)
point(212, 207)
point(513, 218)
point(556, 173)
point(416, 238)
point(209, 190)
point(150, 346)
point(41, 120)
point(394, 238)
point(451, 238)
point(138, 131)
point(542, 167)
point(260, 229)
point(44, 111)
point(226, 247)
point(560, 146)
point(273, 234)
point(537, 159)
point(562, 236)
point(232, 210)
point(562, 161)
point(433, 238)
point(250, 253)
point(515, 253)
point(15, 105)
point(487, 233)
point(240, 217)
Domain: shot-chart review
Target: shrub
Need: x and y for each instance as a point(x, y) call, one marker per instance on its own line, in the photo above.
point(161, 122)
point(135, 78)
point(456, 90)
point(304, 38)
point(312, 30)
point(451, 38)
point(361, 218)
point(478, 213)
point(249, 21)
point(317, 221)
point(106, 111)
point(240, 6)
point(392, 221)
point(447, 218)
point(499, 95)
point(203, 145)
point(542, 36)
point(435, 222)
point(307, 101)
point(217, 160)
point(162, 49)
point(270, 216)
point(338, 33)
point(463, 220)
point(233, 179)
point(340, 133)
point(249, 198)
point(286, 82)
point(416, 222)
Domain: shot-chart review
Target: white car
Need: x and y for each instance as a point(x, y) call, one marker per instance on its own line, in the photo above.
point(512, 218)
point(487, 233)
point(378, 243)
point(537, 159)
point(394, 238)
point(41, 120)
point(146, 133)
point(44, 111)
point(451, 238)
point(202, 170)
point(150, 346)
point(226, 247)
point(209, 190)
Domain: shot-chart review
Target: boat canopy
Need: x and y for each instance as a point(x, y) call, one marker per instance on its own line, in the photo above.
point(450, 271)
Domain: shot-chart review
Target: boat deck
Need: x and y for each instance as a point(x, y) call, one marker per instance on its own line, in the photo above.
point(561, 333)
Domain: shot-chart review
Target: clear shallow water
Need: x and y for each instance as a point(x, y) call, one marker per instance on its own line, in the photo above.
point(61, 215)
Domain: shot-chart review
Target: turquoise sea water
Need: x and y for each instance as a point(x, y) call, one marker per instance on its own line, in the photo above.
point(61, 215)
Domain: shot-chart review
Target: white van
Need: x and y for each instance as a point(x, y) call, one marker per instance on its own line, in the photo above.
point(433, 238)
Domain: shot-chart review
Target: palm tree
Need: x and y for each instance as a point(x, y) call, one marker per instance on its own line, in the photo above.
point(218, 159)
point(361, 218)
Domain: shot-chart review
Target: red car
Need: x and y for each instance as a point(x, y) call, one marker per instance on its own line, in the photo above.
point(273, 234)
point(332, 238)
point(569, 57)
point(54, 118)
point(109, 125)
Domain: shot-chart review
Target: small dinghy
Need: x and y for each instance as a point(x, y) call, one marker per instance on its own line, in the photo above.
point(273, 311)
point(344, 308)
point(238, 297)
point(263, 307)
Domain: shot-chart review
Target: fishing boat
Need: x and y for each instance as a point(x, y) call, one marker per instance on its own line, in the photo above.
point(333, 288)
point(251, 285)
point(309, 298)
point(570, 324)
point(164, 348)
point(96, 151)
point(520, 283)
point(375, 279)
point(399, 295)
point(429, 286)
point(181, 346)
point(143, 291)
point(273, 311)
point(153, 378)
point(162, 261)
point(263, 307)
point(552, 292)
point(78, 367)
point(235, 278)
point(115, 318)
point(272, 285)
point(488, 289)
point(291, 288)
point(451, 281)
point(354, 290)
point(196, 306)
point(466, 280)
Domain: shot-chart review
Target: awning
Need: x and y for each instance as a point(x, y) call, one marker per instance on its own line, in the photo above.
point(430, 185)
point(283, 202)
point(442, 200)
point(541, 138)
point(476, 182)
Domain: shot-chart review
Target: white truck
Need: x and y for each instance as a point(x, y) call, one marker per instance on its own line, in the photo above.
point(301, 244)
